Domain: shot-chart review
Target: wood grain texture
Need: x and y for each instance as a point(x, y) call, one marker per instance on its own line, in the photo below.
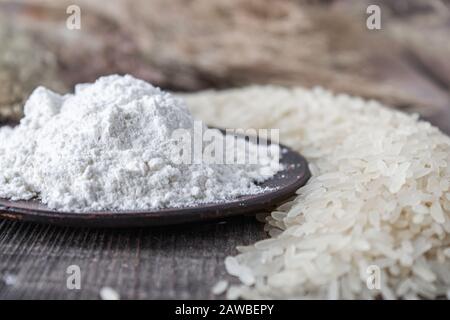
point(153, 263)
point(206, 44)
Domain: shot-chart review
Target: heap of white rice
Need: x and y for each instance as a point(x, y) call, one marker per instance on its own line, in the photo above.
point(375, 212)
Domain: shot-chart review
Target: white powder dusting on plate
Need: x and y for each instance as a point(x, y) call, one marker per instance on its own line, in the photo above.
point(110, 146)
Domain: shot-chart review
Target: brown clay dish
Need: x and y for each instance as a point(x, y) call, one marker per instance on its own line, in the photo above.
point(283, 185)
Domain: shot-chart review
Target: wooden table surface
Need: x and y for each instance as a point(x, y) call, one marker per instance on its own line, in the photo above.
point(154, 263)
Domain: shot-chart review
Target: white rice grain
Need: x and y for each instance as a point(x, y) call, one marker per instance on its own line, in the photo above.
point(108, 293)
point(220, 287)
point(379, 196)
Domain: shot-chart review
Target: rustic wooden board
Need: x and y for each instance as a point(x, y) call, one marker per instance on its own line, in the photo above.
point(230, 43)
point(154, 263)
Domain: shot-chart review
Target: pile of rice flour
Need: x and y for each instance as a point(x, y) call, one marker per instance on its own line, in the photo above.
point(374, 219)
point(109, 146)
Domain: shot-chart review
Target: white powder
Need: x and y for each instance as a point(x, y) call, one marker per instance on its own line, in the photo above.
point(10, 279)
point(109, 146)
point(108, 293)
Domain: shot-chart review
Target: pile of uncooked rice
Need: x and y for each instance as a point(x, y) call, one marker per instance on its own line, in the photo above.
point(373, 221)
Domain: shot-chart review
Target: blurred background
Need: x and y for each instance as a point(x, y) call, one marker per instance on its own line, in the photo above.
point(191, 45)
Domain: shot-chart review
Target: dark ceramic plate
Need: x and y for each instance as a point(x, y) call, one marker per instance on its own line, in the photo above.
point(283, 185)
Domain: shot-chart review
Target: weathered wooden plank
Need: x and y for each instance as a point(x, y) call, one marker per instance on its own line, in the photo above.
point(155, 263)
point(292, 43)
